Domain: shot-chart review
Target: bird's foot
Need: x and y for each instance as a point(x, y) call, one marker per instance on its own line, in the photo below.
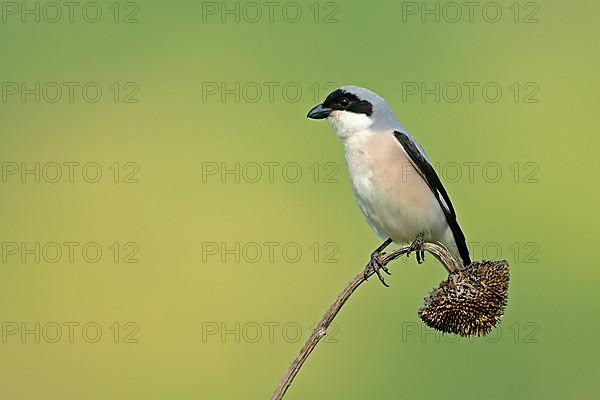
point(418, 247)
point(376, 264)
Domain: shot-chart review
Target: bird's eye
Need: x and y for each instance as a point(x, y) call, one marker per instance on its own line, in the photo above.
point(344, 101)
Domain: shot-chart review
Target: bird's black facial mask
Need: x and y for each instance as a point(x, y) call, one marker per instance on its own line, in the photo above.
point(341, 101)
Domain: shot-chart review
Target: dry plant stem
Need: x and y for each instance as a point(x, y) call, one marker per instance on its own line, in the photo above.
point(439, 251)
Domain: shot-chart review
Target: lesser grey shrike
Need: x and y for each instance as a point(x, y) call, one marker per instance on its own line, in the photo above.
point(396, 187)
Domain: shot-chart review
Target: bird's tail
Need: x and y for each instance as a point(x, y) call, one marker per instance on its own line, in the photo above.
point(449, 241)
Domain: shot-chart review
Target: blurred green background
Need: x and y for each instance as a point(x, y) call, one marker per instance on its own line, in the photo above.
point(208, 311)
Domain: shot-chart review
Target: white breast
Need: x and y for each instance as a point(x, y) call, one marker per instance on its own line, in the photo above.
point(395, 200)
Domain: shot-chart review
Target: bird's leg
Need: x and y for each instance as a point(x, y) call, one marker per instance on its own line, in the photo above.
point(376, 263)
point(417, 247)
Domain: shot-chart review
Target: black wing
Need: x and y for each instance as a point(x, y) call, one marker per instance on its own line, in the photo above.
point(434, 183)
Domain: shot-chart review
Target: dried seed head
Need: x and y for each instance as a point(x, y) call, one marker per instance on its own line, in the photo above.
point(471, 301)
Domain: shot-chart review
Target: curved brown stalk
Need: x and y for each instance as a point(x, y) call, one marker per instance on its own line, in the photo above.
point(439, 251)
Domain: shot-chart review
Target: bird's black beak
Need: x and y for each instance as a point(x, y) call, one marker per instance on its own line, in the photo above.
point(319, 112)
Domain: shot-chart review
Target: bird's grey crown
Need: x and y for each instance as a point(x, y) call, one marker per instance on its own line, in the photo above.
point(383, 117)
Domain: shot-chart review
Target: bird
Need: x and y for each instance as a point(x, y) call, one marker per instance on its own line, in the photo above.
point(395, 185)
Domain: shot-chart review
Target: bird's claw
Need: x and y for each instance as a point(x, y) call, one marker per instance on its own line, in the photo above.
point(418, 247)
point(376, 264)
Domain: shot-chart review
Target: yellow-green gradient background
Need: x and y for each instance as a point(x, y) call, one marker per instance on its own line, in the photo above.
point(546, 347)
